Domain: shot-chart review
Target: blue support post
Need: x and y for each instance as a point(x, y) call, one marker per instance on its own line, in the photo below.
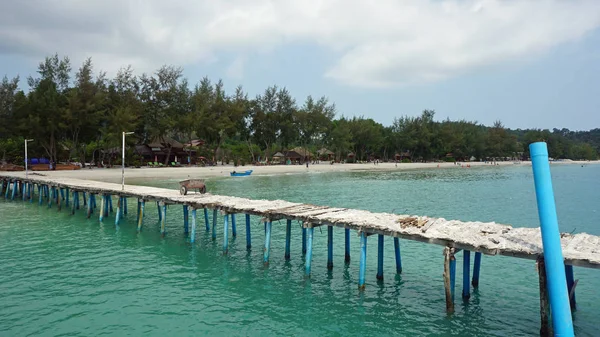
point(558, 294)
point(363, 261)
point(110, 205)
point(466, 292)
point(329, 247)
point(102, 207)
point(159, 211)
point(40, 195)
point(288, 235)
point(193, 235)
point(185, 220)
point(124, 205)
point(14, 191)
point(571, 286)
point(76, 197)
point(85, 200)
point(51, 196)
point(476, 268)
point(248, 236)
point(206, 222)
point(66, 197)
point(31, 193)
point(163, 221)
point(59, 198)
point(118, 213)
point(347, 245)
point(233, 226)
point(139, 204)
point(309, 248)
point(89, 204)
point(398, 257)
point(74, 203)
point(24, 194)
point(7, 189)
point(214, 226)
point(303, 241)
point(267, 242)
point(105, 203)
point(380, 257)
point(94, 201)
point(141, 215)
point(226, 234)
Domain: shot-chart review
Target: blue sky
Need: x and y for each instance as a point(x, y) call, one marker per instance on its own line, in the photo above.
point(530, 64)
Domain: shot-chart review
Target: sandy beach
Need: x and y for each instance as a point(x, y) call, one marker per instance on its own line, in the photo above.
point(180, 173)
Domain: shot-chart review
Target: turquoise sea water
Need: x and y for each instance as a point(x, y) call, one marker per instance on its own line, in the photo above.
point(63, 275)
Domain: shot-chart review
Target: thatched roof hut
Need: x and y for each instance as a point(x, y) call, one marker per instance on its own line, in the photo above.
point(278, 155)
point(298, 153)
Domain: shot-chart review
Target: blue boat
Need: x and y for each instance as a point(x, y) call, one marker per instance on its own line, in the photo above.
point(241, 174)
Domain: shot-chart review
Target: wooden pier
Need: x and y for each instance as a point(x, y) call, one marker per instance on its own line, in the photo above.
point(488, 238)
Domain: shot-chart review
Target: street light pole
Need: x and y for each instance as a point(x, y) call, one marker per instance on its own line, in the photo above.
point(26, 140)
point(123, 162)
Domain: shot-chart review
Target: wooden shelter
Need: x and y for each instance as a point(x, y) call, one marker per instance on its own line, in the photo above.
point(158, 150)
point(298, 154)
point(325, 154)
point(278, 158)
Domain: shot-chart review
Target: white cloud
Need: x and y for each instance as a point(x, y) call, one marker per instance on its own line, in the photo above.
point(236, 69)
point(379, 43)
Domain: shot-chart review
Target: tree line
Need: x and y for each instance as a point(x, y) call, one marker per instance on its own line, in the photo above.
point(80, 117)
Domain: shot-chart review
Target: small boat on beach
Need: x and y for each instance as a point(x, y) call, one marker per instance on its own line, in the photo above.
point(241, 174)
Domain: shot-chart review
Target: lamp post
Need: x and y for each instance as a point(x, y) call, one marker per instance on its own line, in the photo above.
point(26, 140)
point(123, 161)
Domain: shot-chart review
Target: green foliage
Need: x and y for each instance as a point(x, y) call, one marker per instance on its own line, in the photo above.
point(84, 118)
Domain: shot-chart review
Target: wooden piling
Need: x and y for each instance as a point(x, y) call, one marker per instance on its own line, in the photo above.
point(267, 249)
point(288, 235)
point(448, 256)
point(329, 247)
point(545, 326)
point(380, 257)
point(398, 257)
point(363, 261)
point(466, 292)
point(476, 268)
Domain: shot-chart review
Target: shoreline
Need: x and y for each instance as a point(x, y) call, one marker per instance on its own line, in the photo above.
point(182, 173)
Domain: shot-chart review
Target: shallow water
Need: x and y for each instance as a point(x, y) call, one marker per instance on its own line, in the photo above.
point(67, 275)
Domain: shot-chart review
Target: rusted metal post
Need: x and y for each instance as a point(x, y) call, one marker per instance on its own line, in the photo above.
point(545, 327)
point(476, 268)
point(571, 283)
point(248, 237)
point(226, 234)
point(398, 257)
point(329, 247)
point(466, 291)
point(309, 248)
point(448, 276)
point(363, 261)
point(267, 249)
point(288, 234)
point(380, 257)
point(347, 245)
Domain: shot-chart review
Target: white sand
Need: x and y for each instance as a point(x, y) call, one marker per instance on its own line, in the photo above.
point(181, 173)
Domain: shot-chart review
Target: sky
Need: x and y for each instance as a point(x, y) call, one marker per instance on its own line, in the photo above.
point(529, 64)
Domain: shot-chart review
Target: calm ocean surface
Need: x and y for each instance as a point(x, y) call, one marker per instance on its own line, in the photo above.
point(63, 275)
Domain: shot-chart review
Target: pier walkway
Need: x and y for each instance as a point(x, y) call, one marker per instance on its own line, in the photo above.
point(480, 237)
